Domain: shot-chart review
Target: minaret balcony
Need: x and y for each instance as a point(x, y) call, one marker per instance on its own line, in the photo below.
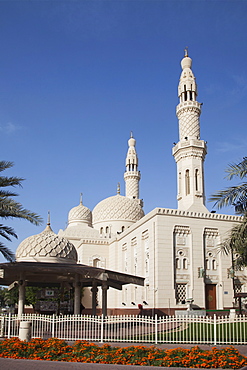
point(188, 103)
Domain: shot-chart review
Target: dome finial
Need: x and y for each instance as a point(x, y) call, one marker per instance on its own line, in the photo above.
point(186, 52)
point(131, 134)
point(118, 188)
point(48, 219)
point(80, 198)
point(48, 225)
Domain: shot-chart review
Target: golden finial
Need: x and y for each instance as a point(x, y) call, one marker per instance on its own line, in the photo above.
point(186, 52)
point(118, 188)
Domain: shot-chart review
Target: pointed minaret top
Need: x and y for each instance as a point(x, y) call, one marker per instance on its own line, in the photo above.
point(80, 198)
point(186, 52)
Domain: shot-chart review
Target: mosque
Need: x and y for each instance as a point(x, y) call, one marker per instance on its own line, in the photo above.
point(175, 250)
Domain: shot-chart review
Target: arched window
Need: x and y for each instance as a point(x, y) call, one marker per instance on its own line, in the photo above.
point(179, 183)
point(185, 94)
point(187, 182)
point(101, 230)
point(196, 179)
point(123, 228)
point(185, 264)
point(214, 266)
point(107, 229)
point(96, 262)
point(177, 263)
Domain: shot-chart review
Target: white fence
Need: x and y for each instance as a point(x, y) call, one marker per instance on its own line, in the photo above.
point(135, 329)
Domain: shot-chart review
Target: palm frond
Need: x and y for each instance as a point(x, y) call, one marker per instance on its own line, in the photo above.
point(4, 165)
point(12, 209)
point(237, 169)
point(10, 181)
point(234, 195)
point(9, 208)
point(5, 231)
point(236, 243)
point(7, 253)
point(7, 193)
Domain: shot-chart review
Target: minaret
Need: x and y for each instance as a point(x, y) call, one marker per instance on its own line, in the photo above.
point(190, 151)
point(132, 175)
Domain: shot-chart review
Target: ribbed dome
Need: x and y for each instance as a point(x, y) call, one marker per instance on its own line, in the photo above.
point(46, 247)
point(117, 207)
point(80, 214)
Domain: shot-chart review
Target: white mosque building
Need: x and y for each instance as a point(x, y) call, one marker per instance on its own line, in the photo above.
point(175, 250)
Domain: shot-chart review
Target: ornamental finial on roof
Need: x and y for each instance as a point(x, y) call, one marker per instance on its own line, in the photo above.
point(118, 188)
point(131, 133)
point(80, 198)
point(49, 219)
point(186, 52)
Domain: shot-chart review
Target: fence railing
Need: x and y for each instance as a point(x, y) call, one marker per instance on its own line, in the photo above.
point(135, 329)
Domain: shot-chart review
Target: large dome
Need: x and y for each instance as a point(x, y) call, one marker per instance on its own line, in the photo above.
point(80, 214)
point(117, 207)
point(46, 247)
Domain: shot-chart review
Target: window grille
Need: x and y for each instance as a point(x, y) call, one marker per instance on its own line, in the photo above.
point(181, 292)
point(238, 288)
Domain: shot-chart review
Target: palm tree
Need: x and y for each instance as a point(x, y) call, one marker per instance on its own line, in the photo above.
point(9, 208)
point(234, 195)
point(235, 244)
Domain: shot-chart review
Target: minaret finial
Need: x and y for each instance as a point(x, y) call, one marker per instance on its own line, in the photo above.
point(186, 52)
point(131, 133)
point(118, 188)
point(48, 219)
point(80, 198)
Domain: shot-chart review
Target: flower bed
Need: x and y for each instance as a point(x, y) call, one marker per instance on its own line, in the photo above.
point(81, 351)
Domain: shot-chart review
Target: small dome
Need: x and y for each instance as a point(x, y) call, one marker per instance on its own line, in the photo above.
point(80, 214)
point(186, 62)
point(131, 142)
point(117, 207)
point(46, 247)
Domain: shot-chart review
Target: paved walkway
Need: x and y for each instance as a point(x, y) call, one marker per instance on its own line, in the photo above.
point(9, 363)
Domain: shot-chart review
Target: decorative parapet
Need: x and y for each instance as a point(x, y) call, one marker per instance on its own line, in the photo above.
point(182, 213)
point(93, 241)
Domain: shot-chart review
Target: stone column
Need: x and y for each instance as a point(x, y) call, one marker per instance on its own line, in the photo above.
point(104, 298)
point(21, 299)
point(77, 296)
point(94, 291)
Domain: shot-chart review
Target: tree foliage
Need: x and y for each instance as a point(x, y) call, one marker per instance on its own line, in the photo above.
point(236, 243)
point(10, 209)
point(234, 195)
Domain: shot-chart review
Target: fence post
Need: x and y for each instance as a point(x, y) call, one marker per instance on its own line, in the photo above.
point(102, 329)
point(9, 320)
point(53, 326)
point(156, 328)
point(215, 331)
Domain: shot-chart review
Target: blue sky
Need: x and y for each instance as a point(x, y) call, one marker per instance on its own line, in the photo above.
point(77, 76)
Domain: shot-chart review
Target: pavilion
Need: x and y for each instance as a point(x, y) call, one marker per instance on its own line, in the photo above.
point(49, 260)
